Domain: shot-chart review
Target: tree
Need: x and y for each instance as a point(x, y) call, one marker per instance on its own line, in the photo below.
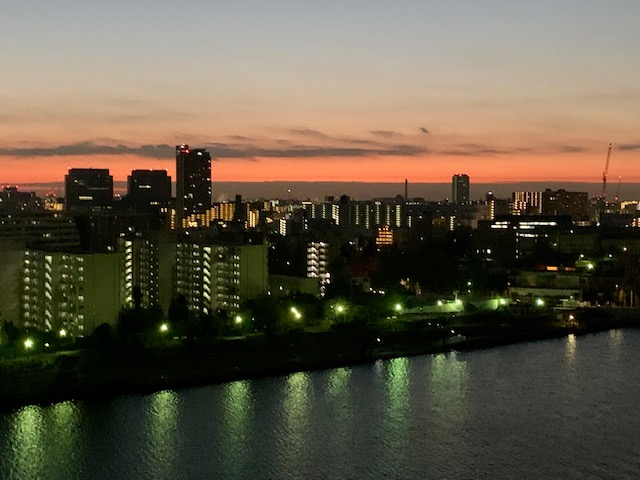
point(266, 310)
point(181, 318)
point(137, 297)
point(102, 336)
point(11, 332)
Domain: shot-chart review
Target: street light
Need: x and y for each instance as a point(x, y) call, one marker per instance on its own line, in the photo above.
point(164, 328)
point(62, 333)
point(28, 344)
point(237, 319)
point(296, 313)
point(397, 307)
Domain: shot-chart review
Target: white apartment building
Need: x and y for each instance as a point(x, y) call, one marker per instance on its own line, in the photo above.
point(318, 263)
point(74, 292)
point(215, 276)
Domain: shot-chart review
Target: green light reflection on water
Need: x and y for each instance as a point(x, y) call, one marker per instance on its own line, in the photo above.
point(296, 402)
point(339, 404)
point(338, 381)
point(396, 421)
point(236, 423)
point(295, 409)
point(65, 433)
point(27, 443)
point(449, 383)
point(398, 389)
point(237, 399)
point(162, 427)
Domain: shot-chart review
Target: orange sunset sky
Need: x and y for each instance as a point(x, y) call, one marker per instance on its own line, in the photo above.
point(333, 91)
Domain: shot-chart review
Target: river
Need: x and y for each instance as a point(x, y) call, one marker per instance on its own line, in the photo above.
point(555, 409)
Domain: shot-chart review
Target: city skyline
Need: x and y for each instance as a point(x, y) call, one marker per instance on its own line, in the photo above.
point(330, 92)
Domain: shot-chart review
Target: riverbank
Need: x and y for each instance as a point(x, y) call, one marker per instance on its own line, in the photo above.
point(116, 370)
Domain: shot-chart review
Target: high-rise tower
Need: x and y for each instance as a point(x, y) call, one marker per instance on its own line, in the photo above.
point(88, 189)
point(193, 182)
point(460, 189)
point(149, 189)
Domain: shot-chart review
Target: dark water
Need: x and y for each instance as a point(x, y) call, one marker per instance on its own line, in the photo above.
point(558, 409)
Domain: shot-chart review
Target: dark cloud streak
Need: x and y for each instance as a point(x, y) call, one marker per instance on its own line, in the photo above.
point(308, 132)
point(385, 133)
point(629, 147)
point(90, 148)
point(221, 150)
point(217, 150)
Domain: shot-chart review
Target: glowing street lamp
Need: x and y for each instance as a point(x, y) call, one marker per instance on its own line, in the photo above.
point(28, 344)
point(237, 320)
point(340, 308)
point(539, 302)
point(62, 333)
point(164, 328)
point(397, 307)
point(296, 313)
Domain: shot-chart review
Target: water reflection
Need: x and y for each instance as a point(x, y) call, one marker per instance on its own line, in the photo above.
point(162, 425)
point(570, 350)
point(237, 400)
point(395, 428)
point(616, 337)
point(64, 430)
point(449, 384)
point(27, 443)
point(337, 405)
point(296, 419)
point(512, 412)
point(236, 423)
point(338, 381)
point(398, 389)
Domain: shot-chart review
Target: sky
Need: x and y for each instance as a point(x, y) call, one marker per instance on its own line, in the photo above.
point(350, 90)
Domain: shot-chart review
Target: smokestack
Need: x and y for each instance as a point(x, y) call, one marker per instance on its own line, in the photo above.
point(406, 189)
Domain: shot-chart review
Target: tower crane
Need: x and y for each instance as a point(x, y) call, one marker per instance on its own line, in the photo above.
point(604, 175)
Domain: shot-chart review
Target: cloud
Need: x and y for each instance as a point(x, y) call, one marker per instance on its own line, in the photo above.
point(308, 132)
point(221, 150)
point(424, 131)
point(217, 150)
point(629, 147)
point(481, 150)
point(247, 148)
point(384, 133)
point(475, 150)
point(572, 149)
point(90, 148)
